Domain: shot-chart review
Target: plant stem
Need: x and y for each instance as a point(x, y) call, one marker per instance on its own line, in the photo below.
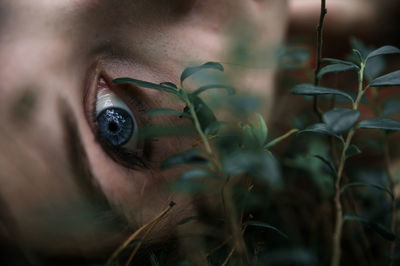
point(337, 234)
point(320, 26)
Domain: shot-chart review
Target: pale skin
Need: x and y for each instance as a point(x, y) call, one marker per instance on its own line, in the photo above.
point(59, 50)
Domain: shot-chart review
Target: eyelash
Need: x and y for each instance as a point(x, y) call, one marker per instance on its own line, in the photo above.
point(121, 155)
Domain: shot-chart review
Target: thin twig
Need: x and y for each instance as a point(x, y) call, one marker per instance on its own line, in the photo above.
point(320, 27)
point(137, 232)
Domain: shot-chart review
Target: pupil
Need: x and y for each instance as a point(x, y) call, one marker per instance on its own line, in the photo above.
point(113, 127)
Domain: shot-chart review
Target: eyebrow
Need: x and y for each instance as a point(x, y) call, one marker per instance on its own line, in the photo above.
point(81, 171)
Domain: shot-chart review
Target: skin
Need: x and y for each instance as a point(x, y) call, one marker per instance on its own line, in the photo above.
point(62, 192)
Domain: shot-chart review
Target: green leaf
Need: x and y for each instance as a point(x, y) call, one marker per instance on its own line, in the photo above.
point(267, 226)
point(321, 128)
point(361, 184)
point(188, 157)
point(380, 229)
point(153, 131)
point(388, 80)
point(338, 61)
point(144, 84)
point(230, 90)
point(260, 131)
point(336, 68)
point(166, 111)
point(309, 89)
point(391, 106)
point(169, 84)
point(383, 51)
point(352, 150)
point(249, 139)
point(213, 128)
point(380, 123)
point(328, 163)
point(204, 114)
point(341, 120)
point(191, 70)
point(196, 173)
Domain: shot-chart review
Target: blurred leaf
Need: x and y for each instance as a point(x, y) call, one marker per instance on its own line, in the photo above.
point(166, 111)
point(391, 79)
point(352, 150)
point(341, 120)
point(204, 114)
point(191, 70)
point(196, 173)
point(380, 123)
point(380, 229)
point(188, 157)
point(293, 57)
point(383, 51)
point(338, 61)
point(329, 163)
point(361, 184)
point(144, 84)
point(258, 164)
point(243, 105)
point(267, 226)
point(391, 106)
point(169, 84)
point(152, 131)
point(213, 128)
point(249, 139)
point(230, 90)
point(260, 131)
point(309, 89)
point(337, 68)
point(321, 128)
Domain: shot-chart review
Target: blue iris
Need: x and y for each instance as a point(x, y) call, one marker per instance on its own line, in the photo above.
point(116, 125)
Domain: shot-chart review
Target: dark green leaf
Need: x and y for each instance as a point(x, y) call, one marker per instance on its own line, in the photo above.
point(187, 157)
point(230, 90)
point(258, 164)
point(380, 229)
point(144, 84)
point(196, 173)
point(391, 79)
point(391, 106)
point(191, 70)
point(309, 89)
point(383, 51)
point(352, 150)
point(338, 61)
point(336, 68)
point(329, 163)
point(361, 184)
point(267, 226)
point(213, 128)
point(260, 131)
point(204, 114)
point(153, 131)
point(166, 111)
point(169, 84)
point(380, 123)
point(341, 120)
point(320, 128)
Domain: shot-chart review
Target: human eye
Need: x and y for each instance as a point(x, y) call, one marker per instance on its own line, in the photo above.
point(115, 119)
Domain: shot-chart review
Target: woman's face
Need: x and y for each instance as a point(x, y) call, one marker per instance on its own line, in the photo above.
point(63, 191)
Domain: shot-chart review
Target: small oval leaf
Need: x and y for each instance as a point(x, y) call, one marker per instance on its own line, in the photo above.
point(267, 226)
point(352, 150)
point(388, 80)
point(336, 68)
point(387, 49)
point(320, 128)
point(196, 173)
point(380, 123)
point(230, 90)
point(341, 120)
point(309, 89)
point(144, 84)
point(191, 70)
point(188, 157)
